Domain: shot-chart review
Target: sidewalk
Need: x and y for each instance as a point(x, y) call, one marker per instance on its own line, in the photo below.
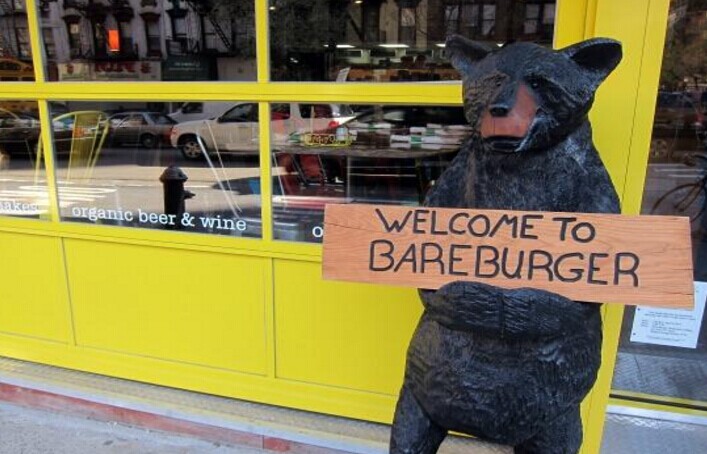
point(30, 431)
point(155, 419)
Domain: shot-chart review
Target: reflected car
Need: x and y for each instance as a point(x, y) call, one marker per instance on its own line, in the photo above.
point(20, 133)
point(146, 129)
point(237, 129)
point(409, 116)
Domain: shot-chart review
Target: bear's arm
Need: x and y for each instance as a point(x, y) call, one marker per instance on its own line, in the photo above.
point(511, 313)
point(506, 313)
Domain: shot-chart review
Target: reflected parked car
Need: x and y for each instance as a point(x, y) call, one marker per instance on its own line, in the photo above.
point(147, 129)
point(237, 129)
point(409, 116)
point(20, 133)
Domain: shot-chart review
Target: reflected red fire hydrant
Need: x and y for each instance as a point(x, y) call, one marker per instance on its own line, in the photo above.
point(175, 195)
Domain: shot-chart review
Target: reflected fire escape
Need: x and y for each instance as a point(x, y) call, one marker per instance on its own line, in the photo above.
point(215, 27)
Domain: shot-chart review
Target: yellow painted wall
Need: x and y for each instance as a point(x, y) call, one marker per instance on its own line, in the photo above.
point(33, 299)
point(252, 318)
point(341, 334)
point(192, 307)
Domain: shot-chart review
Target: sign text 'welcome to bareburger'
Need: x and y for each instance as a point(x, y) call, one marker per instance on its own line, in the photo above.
point(644, 260)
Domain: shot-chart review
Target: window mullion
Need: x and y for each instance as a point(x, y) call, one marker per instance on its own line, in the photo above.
point(35, 39)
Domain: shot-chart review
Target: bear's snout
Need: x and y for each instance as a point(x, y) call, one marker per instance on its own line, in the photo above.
point(505, 122)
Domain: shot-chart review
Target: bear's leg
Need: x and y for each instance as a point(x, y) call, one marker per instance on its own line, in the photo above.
point(413, 432)
point(562, 436)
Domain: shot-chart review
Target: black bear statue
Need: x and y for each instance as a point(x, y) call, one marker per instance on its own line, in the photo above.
point(512, 366)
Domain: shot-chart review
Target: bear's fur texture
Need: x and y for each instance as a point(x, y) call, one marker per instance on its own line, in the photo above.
point(512, 366)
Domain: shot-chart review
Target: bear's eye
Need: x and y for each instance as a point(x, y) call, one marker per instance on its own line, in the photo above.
point(535, 81)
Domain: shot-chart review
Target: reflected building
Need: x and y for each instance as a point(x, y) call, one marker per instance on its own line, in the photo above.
point(15, 49)
point(317, 39)
point(176, 40)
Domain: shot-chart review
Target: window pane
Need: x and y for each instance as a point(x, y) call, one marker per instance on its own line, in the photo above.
point(532, 11)
point(549, 14)
point(23, 185)
point(385, 40)
point(665, 352)
point(387, 154)
point(170, 40)
point(155, 165)
point(15, 49)
point(489, 12)
point(530, 27)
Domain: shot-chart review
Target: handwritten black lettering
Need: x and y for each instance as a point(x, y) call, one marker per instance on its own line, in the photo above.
point(485, 225)
point(590, 234)
point(436, 258)
point(388, 254)
point(534, 263)
point(453, 219)
point(397, 224)
point(410, 256)
point(418, 219)
point(633, 263)
point(516, 274)
point(526, 226)
point(576, 273)
point(593, 257)
point(454, 259)
point(491, 261)
point(433, 226)
point(564, 223)
point(511, 221)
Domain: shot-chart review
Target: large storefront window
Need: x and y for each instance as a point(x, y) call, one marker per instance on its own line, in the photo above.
point(392, 40)
point(664, 353)
point(15, 49)
point(339, 153)
point(23, 185)
point(159, 165)
point(149, 40)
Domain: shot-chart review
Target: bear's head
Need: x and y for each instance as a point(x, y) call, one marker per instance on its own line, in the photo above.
point(525, 97)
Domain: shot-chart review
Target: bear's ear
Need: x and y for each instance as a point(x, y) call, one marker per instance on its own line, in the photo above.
point(463, 52)
point(598, 56)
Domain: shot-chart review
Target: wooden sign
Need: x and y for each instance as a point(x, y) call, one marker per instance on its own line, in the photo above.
point(637, 260)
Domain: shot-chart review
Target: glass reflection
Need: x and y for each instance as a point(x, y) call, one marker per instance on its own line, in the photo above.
point(149, 40)
point(15, 48)
point(655, 354)
point(23, 186)
point(332, 153)
point(145, 165)
point(392, 40)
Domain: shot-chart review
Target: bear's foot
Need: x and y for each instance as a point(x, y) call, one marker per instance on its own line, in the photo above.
point(413, 431)
point(562, 436)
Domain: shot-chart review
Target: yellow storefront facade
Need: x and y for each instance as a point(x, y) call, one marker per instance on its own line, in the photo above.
point(250, 317)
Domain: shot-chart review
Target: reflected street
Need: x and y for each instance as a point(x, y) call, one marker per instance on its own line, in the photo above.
point(119, 183)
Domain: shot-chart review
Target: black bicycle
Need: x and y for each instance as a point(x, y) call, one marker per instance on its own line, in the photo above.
point(686, 199)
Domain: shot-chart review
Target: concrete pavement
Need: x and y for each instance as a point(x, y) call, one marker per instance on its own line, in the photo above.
point(30, 431)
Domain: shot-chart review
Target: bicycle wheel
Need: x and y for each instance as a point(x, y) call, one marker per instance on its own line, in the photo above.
point(684, 200)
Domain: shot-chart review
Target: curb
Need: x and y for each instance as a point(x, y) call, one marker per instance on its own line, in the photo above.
point(267, 439)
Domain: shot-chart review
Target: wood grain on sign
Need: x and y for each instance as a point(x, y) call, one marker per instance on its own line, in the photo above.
point(644, 260)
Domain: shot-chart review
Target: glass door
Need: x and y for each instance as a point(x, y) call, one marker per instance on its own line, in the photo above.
point(662, 356)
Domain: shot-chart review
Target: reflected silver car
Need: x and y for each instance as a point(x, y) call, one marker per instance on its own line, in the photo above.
point(237, 129)
point(146, 129)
